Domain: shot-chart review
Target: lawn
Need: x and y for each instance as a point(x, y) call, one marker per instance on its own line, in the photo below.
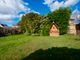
point(22, 47)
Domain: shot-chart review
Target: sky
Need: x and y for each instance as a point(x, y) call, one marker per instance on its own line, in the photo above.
point(11, 11)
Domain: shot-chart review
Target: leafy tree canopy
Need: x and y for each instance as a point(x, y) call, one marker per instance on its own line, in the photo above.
point(61, 18)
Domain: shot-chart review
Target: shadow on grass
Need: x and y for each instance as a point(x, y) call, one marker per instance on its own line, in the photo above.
point(55, 53)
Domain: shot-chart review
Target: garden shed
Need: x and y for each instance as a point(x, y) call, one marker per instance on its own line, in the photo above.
point(54, 31)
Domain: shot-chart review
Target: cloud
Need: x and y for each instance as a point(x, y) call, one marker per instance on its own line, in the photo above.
point(2, 16)
point(9, 9)
point(7, 21)
point(70, 2)
point(35, 11)
point(48, 1)
point(55, 4)
point(12, 6)
point(8, 18)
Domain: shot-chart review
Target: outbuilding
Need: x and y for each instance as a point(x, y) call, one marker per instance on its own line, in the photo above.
point(54, 31)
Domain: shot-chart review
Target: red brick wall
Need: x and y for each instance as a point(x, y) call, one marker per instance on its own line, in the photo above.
point(54, 31)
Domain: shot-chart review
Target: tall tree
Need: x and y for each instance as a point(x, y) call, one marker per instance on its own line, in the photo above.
point(30, 23)
point(61, 18)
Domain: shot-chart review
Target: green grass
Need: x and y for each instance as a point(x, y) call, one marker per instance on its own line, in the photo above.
point(17, 47)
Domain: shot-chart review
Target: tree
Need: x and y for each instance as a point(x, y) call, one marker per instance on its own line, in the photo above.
point(61, 18)
point(30, 23)
point(22, 24)
point(45, 26)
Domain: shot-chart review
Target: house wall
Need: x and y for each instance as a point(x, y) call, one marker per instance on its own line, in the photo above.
point(72, 28)
point(54, 31)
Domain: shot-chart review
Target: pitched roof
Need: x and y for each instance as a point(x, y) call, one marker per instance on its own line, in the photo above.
point(75, 14)
point(4, 26)
point(55, 25)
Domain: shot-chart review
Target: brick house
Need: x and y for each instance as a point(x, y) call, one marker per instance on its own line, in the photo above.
point(54, 31)
point(4, 29)
point(16, 28)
